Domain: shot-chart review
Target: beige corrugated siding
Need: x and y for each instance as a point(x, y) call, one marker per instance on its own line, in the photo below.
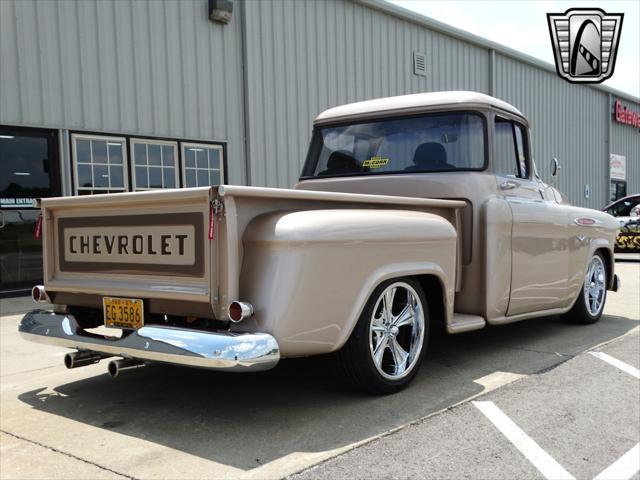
point(305, 56)
point(157, 68)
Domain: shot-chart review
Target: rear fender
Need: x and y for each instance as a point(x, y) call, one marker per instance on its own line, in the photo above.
point(309, 274)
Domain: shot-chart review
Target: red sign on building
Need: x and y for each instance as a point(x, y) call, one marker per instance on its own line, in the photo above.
point(626, 115)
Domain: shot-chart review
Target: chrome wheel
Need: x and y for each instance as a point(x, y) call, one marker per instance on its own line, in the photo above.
point(595, 286)
point(396, 331)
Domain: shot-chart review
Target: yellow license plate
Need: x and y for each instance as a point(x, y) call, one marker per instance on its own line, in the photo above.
point(123, 312)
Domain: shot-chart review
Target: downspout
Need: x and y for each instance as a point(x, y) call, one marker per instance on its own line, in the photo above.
point(492, 72)
point(245, 92)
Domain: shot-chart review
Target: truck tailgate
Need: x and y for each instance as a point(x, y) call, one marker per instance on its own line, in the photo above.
point(152, 245)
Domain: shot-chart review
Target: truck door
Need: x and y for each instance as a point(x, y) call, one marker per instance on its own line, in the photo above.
point(539, 253)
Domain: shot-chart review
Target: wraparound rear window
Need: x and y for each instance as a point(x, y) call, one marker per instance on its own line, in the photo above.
point(426, 143)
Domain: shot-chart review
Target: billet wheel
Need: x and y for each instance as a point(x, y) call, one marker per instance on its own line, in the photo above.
point(388, 343)
point(590, 303)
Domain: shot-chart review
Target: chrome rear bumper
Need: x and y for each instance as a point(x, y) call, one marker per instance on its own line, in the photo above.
point(218, 350)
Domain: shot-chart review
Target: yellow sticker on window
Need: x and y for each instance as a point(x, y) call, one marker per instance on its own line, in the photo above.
point(375, 162)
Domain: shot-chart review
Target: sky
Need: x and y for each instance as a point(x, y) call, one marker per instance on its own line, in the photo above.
point(522, 25)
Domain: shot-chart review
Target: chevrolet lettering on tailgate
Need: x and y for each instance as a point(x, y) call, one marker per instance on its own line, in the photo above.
point(134, 245)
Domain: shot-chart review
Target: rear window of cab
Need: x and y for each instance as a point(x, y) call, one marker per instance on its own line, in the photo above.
point(441, 142)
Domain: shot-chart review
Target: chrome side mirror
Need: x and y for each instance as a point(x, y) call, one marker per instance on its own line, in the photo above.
point(555, 167)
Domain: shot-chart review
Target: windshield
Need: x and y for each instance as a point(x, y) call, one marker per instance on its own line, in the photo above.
point(428, 143)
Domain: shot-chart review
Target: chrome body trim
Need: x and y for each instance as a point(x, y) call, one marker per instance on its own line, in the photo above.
point(217, 350)
point(587, 222)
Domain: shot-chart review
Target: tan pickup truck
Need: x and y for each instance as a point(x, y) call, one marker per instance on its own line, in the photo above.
point(410, 210)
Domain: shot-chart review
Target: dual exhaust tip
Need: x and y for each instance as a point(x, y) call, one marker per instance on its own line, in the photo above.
point(115, 368)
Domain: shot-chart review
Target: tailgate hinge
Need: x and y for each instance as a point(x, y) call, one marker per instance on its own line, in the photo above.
point(217, 206)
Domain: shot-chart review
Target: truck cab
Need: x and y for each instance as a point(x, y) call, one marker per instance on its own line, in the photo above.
point(520, 248)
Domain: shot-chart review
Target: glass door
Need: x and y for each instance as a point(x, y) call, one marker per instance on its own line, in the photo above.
point(29, 162)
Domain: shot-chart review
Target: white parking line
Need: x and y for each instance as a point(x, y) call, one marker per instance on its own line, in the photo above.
point(623, 468)
point(625, 367)
point(540, 459)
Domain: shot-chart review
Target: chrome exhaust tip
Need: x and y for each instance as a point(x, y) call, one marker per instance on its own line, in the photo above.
point(238, 311)
point(39, 295)
point(117, 366)
point(82, 358)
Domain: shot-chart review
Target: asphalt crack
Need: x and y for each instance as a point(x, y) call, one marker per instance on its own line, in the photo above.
point(70, 455)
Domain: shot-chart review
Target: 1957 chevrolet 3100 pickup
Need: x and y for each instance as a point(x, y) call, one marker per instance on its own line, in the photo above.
point(410, 210)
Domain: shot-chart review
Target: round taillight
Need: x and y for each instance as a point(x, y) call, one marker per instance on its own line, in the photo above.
point(238, 311)
point(35, 294)
point(235, 312)
point(39, 295)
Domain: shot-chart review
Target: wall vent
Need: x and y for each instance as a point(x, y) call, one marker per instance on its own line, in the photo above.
point(420, 64)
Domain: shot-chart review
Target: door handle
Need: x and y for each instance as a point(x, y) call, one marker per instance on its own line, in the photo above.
point(509, 185)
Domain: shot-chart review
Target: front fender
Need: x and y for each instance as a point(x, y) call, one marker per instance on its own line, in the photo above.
point(309, 274)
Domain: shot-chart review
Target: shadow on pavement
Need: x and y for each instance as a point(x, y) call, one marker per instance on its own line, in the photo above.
point(244, 420)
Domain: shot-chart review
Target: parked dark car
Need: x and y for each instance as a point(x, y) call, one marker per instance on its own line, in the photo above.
point(627, 212)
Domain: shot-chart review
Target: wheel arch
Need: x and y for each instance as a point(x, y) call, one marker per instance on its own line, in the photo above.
point(609, 261)
point(434, 292)
point(438, 290)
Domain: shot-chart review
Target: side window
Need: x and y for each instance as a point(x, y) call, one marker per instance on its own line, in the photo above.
point(523, 154)
point(510, 149)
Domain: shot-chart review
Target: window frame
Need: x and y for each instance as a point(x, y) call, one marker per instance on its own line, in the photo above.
point(183, 164)
point(148, 141)
point(515, 124)
point(74, 161)
point(525, 146)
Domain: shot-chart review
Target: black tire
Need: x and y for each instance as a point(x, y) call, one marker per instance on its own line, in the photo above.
point(581, 312)
point(355, 359)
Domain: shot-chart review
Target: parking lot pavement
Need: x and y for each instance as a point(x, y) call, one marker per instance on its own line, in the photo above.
point(170, 422)
point(585, 414)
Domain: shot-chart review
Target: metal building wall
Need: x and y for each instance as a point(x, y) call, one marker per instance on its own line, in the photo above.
point(157, 68)
point(161, 68)
point(304, 56)
point(567, 121)
point(625, 140)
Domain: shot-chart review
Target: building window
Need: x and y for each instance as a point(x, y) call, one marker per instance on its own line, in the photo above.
point(202, 165)
point(100, 164)
point(154, 164)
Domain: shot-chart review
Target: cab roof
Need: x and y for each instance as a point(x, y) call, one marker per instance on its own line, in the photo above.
point(413, 104)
